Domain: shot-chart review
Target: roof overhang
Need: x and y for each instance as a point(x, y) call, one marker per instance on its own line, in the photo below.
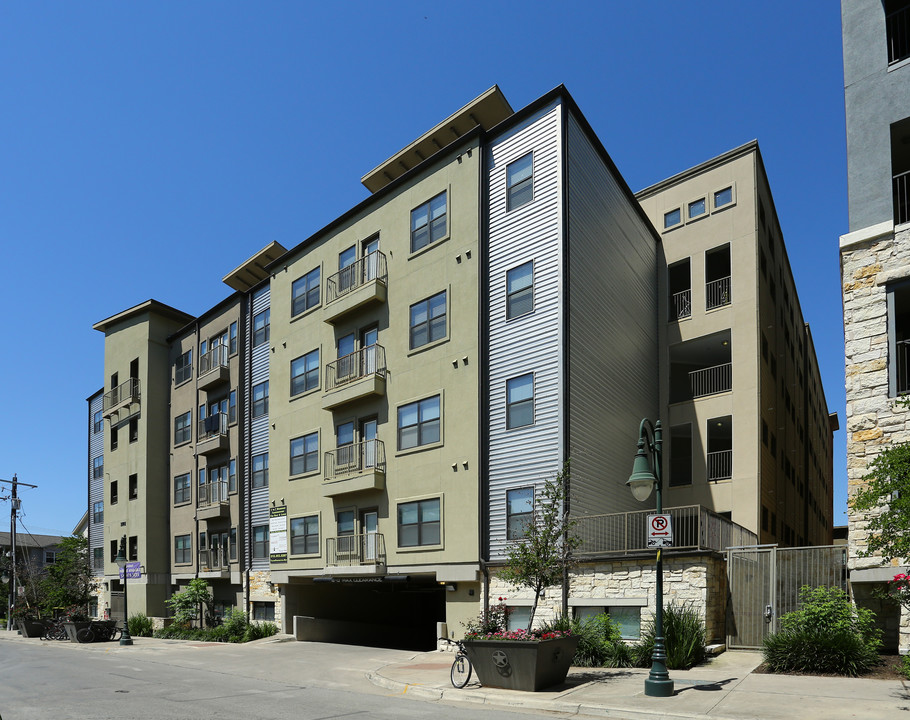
point(253, 271)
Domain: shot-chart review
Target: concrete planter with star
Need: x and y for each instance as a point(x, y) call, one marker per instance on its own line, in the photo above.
point(528, 665)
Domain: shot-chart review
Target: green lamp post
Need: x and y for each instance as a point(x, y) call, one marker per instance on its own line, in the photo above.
point(645, 477)
point(121, 562)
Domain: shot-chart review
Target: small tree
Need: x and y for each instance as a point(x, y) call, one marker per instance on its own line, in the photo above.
point(886, 497)
point(69, 581)
point(187, 603)
point(541, 557)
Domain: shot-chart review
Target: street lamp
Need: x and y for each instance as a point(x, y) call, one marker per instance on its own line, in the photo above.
point(645, 476)
point(125, 638)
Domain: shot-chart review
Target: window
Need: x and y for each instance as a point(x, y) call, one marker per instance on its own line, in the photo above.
point(232, 348)
point(134, 486)
point(264, 611)
point(261, 327)
point(305, 454)
point(428, 320)
point(898, 300)
point(520, 401)
point(428, 222)
point(182, 489)
point(679, 281)
point(418, 423)
point(98, 467)
point(232, 476)
point(345, 522)
point(98, 512)
point(261, 399)
point(98, 558)
point(134, 429)
point(520, 290)
point(697, 208)
point(628, 618)
point(418, 523)
point(114, 438)
point(232, 544)
point(518, 618)
point(133, 548)
point(305, 292)
point(232, 407)
point(182, 428)
point(305, 535)
point(97, 422)
point(182, 549)
point(50, 557)
point(113, 547)
point(519, 511)
point(260, 470)
point(520, 182)
point(723, 197)
point(672, 218)
point(305, 373)
point(183, 368)
point(113, 492)
point(261, 541)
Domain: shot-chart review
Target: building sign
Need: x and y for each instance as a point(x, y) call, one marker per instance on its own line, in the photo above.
point(660, 531)
point(278, 534)
point(133, 571)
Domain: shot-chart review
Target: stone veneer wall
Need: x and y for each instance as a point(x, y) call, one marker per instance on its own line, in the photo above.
point(699, 579)
point(262, 590)
point(873, 423)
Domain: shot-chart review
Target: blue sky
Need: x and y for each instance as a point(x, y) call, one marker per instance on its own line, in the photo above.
point(149, 148)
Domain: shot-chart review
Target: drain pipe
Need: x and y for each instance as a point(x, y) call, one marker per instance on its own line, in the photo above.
point(486, 586)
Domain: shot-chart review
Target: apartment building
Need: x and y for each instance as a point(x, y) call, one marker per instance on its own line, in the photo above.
point(875, 265)
point(741, 396)
point(95, 514)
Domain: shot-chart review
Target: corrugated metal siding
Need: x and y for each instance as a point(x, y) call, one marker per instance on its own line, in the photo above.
point(613, 351)
point(95, 486)
point(258, 440)
point(532, 343)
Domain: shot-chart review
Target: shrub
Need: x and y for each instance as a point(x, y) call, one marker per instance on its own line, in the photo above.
point(489, 622)
point(140, 625)
point(684, 638)
point(905, 666)
point(600, 642)
point(827, 634)
point(235, 628)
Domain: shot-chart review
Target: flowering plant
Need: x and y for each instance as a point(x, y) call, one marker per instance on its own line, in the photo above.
point(899, 588)
point(493, 624)
point(520, 634)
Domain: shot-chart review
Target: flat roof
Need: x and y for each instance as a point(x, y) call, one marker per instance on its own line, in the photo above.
point(253, 271)
point(486, 110)
point(148, 306)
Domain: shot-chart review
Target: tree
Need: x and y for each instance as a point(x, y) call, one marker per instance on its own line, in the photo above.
point(187, 603)
point(541, 557)
point(885, 497)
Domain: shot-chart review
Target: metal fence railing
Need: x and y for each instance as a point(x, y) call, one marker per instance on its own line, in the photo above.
point(212, 493)
point(897, 28)
point(214, 559)
point(712, 380)
point(717, 293)
point(125, 392)
point(720, 465)
point(215, 358)
point(902, 198)
point(214, 425)
point(359, 364)
point(368, 268)
point(349, 550)
point(354, 458)
point(681, 304)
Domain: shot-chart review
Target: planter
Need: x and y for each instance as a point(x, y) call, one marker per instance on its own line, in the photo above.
point(528, 665)
point(72, 628)
point(32, 628)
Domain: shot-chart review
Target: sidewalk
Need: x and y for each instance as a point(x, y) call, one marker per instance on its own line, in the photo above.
point(723, 689)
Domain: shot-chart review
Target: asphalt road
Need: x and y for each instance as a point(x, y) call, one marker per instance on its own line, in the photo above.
point(304, 681)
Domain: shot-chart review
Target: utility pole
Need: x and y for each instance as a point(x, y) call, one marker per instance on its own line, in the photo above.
point(15, 503)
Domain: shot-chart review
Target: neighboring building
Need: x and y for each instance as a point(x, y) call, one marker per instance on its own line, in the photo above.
point(749, 433)
point(33, 553)
point(96, 482)
point(875, 264)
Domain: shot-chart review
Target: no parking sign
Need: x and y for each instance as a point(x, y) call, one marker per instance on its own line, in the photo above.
point(660, 531)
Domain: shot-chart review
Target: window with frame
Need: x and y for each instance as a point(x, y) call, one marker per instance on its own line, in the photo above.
point(232, 407)
point(723, 197)
point(261, 399)
point(134, 429)
point(97, 422)
point(98, 512)
point(305, 454)
point(520, 290)
point(628, 618)
point(263, 611)
point(672, 218)
point(419, 523)
point(520, 401)
point(697, 208)
point(134, 486)
point(232, 338)
point(232, 544)
point(113, 492)
point(98, 558)
point(520, 182)
point(232, 476)
point(183, 428)
point(428, 320)
point(345, 522)
point(183, 367)
point(305, 292)
point(261, 541)
point(115, 437)
point(98, 467)
point(261, 325)
point(428, 222)
point(133, 548)
point(182, 489)
point(519, 511)
point(305, 373)
point(182, 549)
point(305, 535)
point(260, 465)
point(50, 557)
point(418, 423)
point(113, 549)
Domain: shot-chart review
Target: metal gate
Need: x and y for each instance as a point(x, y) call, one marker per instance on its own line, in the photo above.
point(764, 583)
point(117, 605)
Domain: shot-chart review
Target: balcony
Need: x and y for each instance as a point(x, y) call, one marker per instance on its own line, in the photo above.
point(897, 28)
point(701, 367)
point(681, 305)
point(354, 377)
point(720, 465)
point(121, 396)
point(358, 285)
point(213, 368)
point(717, 293)
point(212, 500)
point(213, 434)
point(355, 554)
point(214, 563)
point(712, 380)
point(354, 468)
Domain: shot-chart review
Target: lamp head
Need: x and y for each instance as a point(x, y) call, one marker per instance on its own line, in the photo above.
point(120, 560)
point(642, 480)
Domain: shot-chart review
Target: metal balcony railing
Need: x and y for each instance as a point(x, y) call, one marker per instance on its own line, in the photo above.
point(717, 293)
point(901, 184)
point(215, 559)
point(125, 392)
point(215, 358)
point(897, 28)
point(355, 458)
point(212, 493)
point(694, 527)
point(720, 465)
point(712, 380)
point(369, 267)
point(213, 426)
point(350, 550)
point(903, 366)
point(681, 305)
point(359, 364)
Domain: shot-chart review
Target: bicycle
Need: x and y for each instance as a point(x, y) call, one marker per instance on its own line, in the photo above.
point(55, 631)
point(460, 674)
